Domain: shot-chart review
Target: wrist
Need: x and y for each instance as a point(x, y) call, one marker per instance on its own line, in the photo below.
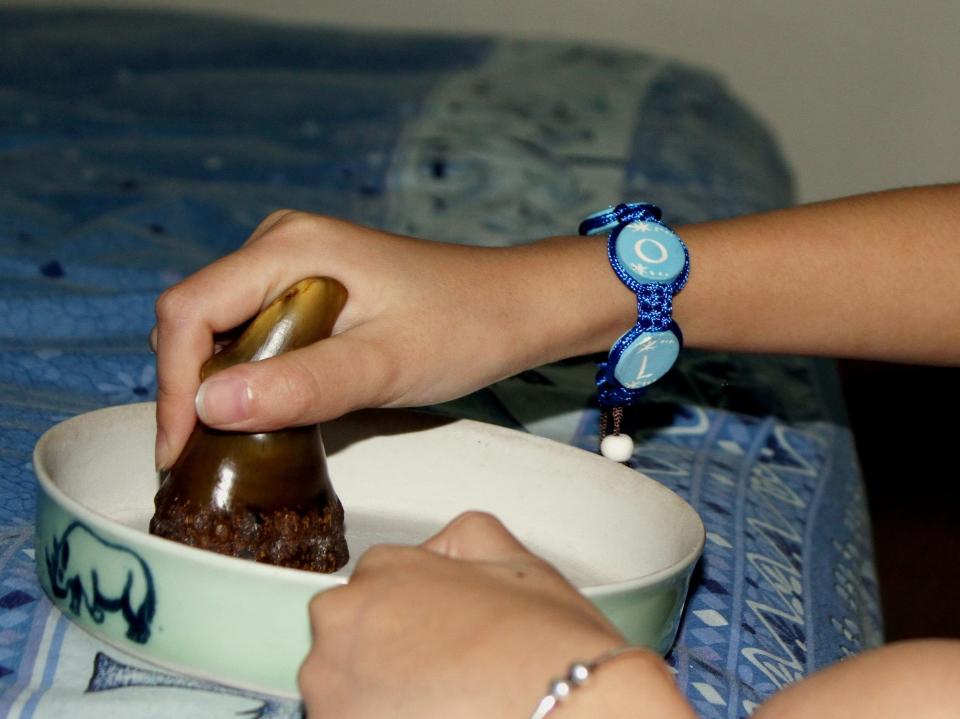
point(634, 683)
point(577, 305)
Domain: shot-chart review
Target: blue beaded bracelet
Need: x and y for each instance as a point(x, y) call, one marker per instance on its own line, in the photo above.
point(653, 262)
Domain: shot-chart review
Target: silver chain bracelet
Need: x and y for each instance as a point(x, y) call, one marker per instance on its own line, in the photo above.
point(577, 675)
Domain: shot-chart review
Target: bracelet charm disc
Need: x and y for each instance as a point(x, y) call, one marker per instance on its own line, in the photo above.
point(646, 359)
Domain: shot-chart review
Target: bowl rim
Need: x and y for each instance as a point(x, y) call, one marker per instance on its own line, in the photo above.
point(175, 550)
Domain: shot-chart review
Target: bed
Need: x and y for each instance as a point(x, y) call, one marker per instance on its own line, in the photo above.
point(136, 147)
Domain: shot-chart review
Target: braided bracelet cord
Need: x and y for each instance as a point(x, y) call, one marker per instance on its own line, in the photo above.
point(577, 675)
point(653, 262)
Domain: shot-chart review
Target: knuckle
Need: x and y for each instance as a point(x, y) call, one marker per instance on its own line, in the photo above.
point(381, 556)
point(309, 675)
point(164, 388)
point(269, 222)
point(278, 215)
point(376, 555)
point(305, 674)
point(474, 519)
point(282, 393)
point(317, 608)
point(298, 391)
point(328, 610)
point(293, 225)
point(173, 305)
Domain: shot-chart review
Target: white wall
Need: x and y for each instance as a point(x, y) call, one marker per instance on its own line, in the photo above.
point(863, 94)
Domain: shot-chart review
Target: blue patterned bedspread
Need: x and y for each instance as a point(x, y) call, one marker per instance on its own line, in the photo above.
point(135, 148)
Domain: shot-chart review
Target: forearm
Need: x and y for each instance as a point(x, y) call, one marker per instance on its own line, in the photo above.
point(872, 277)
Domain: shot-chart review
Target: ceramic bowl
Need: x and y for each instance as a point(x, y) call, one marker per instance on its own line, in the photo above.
point(625, 541)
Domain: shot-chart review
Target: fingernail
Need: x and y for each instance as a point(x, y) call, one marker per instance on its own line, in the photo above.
point(162, 453)
point(223, 401)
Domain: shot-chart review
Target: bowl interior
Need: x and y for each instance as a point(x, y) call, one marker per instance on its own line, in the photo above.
point(401, 476)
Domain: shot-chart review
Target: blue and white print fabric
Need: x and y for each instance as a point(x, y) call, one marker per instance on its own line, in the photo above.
point(136, 147)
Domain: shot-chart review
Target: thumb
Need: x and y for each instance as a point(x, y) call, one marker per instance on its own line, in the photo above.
point(477, 536)
point(306, 386)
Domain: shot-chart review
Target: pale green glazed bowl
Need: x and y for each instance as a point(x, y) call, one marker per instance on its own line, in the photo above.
point(628, 543)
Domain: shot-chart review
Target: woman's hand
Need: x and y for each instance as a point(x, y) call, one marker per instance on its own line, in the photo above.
point(382, 337)
point(424, 322)
point(470, 624)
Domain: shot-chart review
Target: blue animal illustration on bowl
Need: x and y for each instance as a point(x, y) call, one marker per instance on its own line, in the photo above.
point(102, 577)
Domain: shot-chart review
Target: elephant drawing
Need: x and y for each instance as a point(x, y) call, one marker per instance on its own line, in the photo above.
point(102, 577)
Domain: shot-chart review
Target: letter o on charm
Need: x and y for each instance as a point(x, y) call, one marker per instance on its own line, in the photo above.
point(650, 252)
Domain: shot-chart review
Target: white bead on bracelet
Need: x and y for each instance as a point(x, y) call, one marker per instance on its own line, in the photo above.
point(577, 675)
